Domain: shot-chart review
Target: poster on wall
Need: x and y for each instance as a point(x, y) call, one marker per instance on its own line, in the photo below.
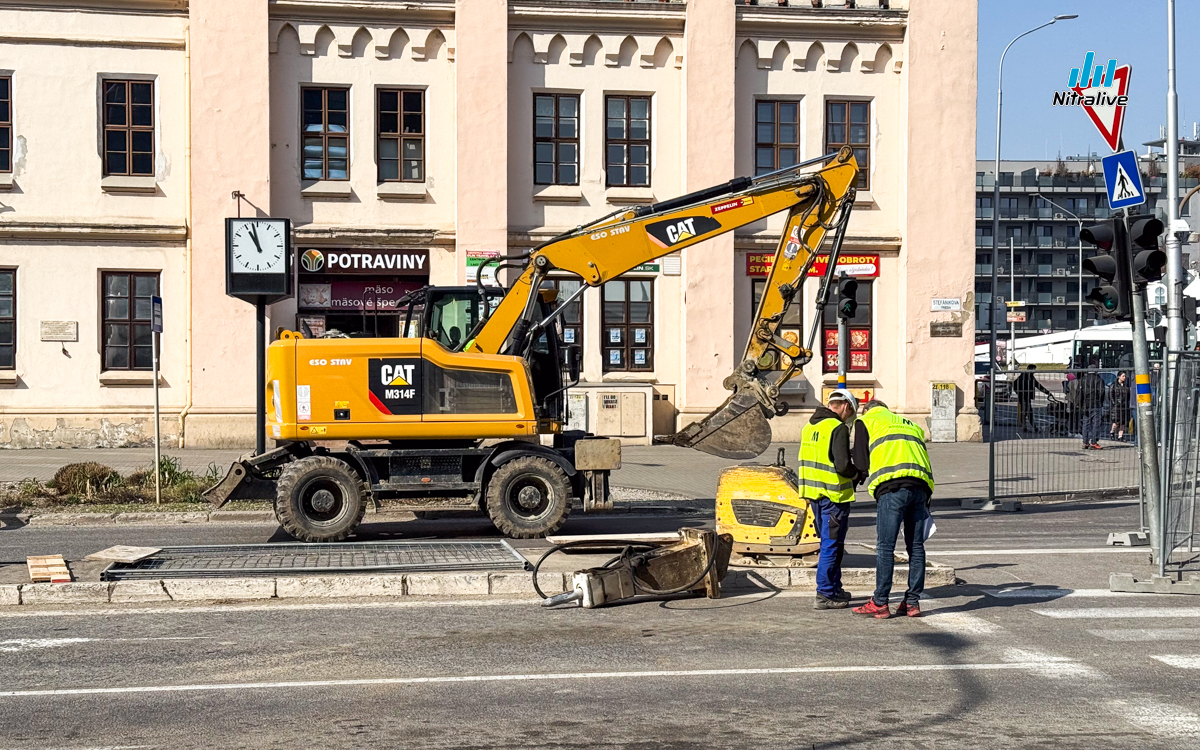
point(639, 356)
point(475, 260)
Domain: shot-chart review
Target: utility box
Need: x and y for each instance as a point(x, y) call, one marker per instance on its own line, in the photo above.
point(577, 411)
point(943, 406)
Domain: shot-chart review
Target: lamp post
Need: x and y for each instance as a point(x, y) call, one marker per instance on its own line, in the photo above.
point(1079, 239)
point(996, 254)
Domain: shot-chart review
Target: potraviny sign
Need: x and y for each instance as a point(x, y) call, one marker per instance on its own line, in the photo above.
point(389, 262)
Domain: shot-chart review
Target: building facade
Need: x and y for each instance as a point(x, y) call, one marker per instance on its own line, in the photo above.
point(408, 142)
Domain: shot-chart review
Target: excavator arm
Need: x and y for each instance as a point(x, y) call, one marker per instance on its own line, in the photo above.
point(816, 201)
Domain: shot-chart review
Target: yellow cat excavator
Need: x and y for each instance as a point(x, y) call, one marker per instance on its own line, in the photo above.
point(449, 417)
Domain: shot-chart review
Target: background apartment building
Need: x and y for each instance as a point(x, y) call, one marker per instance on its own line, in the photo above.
point(1043, 206)
point(408, 141)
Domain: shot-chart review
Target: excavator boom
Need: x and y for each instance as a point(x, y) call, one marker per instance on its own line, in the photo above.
point(816, 201)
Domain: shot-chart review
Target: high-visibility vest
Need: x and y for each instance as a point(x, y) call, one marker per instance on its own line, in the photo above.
point(818, 477)
point(897, 449)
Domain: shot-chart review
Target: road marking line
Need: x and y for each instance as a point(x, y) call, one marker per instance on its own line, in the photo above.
point(1051, 665)
point(1179, 662)
point(1032, 551)
point(1156, 718)
point(28, 644)
point(182, 608)
point(959, 622)
point(1059, 593)
point(1138, 635)
point(1116, 613)
point(843, 669)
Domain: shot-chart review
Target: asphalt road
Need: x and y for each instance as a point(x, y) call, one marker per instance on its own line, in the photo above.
point(1031, 651)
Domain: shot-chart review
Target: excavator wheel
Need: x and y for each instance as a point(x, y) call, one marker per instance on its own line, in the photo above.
point(529, 497)
point(320, 499)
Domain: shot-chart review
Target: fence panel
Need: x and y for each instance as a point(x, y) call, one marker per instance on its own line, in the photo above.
point(1181, 449)
point(1041, 420)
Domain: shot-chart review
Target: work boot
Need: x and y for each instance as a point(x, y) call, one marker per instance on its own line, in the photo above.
point(842, 596)
point(823, 602)
point(878, 611)
point(910, 610)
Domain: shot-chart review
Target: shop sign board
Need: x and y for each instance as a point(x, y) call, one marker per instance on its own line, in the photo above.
point(353, 295)
point(861, 265)
point(475, 260)
point(374, 261)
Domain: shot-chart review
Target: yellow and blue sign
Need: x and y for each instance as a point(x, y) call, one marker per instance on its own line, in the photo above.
point(1142, 388)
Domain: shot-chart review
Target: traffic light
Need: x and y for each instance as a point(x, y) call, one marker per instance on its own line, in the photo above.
point(1148, 260)
point(1112, 296)
point(847, 297)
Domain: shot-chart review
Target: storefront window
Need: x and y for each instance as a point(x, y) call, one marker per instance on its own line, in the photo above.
point(127, 339)
point(792, 325)
point(359, 292)
point(860, 333)
point(627, 335)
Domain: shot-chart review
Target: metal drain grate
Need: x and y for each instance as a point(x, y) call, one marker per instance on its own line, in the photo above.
point(296, 558)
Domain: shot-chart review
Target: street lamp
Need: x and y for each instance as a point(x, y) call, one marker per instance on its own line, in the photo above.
point(1079, 239)
point(996, 252)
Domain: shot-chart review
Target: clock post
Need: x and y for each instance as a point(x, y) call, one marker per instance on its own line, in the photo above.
point(258, 269)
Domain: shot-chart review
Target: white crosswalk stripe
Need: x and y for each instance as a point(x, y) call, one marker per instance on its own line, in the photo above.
point(1179, 662)
point(1117, 613)
point(1146, 635)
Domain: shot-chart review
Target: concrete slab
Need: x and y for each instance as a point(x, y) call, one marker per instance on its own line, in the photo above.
point(161, 517)
point(71, 519)
point(446, 584)
point(138, 591)
point(332, 587)
point(205, 589)
point(522, 583)
point(84, 592)
point(10, 595)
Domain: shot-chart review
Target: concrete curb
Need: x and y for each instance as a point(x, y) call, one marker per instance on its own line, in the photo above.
point(471, 585)
point(164, 518)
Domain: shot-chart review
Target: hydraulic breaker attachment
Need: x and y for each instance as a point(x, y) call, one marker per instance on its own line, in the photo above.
point(695, 564)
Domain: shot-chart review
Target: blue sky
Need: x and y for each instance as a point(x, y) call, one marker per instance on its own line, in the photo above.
point(1132, 31)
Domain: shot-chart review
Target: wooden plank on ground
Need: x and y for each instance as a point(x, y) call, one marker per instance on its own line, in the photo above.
point(48, 568)
point(123, 553)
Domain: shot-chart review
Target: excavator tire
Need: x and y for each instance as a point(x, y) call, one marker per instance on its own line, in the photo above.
point(320, 499)
point(529, 497)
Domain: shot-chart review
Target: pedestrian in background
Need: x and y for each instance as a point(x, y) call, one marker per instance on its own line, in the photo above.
point(827, 477)
point(1025, 386)
point(891, 451)
point(1118, 407)
point(1090, 395)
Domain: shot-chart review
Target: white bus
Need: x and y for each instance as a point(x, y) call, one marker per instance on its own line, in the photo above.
point(1109, 345)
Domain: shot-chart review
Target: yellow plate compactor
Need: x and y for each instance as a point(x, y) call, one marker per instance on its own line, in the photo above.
point(761, 508)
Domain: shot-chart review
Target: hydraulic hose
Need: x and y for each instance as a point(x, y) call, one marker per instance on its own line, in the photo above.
point(627, 553)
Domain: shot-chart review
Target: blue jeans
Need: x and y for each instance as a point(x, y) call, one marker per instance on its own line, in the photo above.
point(902, 508)
point(832, 521)
point(1092, 423)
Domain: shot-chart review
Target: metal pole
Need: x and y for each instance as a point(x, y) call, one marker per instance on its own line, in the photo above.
point(1080, 238)
point(260, 380)
point(843, 350)
point(157, 441)
point(996, 254)
point(1012, 295)
point(1147, 449)
point(1175, 275)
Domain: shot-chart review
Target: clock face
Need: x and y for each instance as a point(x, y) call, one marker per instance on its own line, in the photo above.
point(258, 246)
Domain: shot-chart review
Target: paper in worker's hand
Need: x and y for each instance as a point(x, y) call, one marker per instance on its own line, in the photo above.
point(927, 527)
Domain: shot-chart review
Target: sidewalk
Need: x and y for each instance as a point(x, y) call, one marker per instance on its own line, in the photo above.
point(959, 468)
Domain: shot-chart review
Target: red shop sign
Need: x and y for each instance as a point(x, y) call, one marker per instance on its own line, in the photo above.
point(862, 265)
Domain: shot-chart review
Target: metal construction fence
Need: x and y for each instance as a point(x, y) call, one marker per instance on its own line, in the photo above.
point(1181, 467)
point(1063, 432)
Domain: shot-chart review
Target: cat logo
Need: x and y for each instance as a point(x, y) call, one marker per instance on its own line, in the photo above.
point(395, 385)
point(674, 231)
point(312, 260)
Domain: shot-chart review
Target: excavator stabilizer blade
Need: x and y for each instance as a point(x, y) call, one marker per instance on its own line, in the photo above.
point(737, 429)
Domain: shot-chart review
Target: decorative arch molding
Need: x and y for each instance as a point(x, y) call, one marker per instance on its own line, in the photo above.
point(588, 48)
point(871, 57)
point(384, 42)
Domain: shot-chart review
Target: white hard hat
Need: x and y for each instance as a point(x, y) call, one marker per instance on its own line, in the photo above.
point(841, 394)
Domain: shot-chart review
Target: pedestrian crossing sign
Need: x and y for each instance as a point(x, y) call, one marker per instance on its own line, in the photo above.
point(1123, 181)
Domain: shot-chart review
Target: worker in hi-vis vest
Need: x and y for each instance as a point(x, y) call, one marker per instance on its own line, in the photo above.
point(827, 478)
point(891, 451)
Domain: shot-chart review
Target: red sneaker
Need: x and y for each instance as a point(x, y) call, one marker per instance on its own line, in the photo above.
point(878, 611)
point(911, 610)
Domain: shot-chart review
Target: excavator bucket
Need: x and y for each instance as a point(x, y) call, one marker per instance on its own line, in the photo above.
point(737, 429)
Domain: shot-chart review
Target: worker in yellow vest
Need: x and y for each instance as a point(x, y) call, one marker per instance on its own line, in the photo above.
point(890, 450)
point(827, 477)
